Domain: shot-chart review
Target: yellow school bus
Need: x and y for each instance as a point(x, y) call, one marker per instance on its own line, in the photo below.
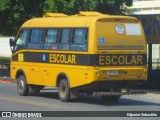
point(89, 52)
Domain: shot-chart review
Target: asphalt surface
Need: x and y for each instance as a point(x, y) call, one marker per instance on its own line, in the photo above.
point(48, 100)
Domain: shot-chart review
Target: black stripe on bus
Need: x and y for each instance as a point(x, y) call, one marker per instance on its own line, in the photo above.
point(83, 59)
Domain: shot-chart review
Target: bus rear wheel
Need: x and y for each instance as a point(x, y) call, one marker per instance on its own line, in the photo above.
point(22, 87)
point(64, 90)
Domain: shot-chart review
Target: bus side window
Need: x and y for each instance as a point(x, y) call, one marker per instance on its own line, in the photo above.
point(64, 40)
point(21, 40)
point(35, 41)
point(51, 39)
point(79, 42)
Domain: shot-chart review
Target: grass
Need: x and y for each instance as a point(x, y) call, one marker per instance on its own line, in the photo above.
point(4, 58)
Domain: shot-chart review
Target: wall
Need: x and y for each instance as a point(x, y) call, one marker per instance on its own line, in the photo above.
point(5, 50)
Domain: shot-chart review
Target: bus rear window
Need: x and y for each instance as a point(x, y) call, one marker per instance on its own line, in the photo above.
point(133, 29)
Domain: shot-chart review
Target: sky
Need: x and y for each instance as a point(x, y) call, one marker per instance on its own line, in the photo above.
point(5, 50)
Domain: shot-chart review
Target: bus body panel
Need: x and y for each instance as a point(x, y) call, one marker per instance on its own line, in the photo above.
point(111, 48)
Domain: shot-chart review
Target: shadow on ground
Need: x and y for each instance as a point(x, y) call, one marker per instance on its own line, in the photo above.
point(98, 101)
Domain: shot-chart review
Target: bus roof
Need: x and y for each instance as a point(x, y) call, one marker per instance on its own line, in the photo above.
point(84, 19)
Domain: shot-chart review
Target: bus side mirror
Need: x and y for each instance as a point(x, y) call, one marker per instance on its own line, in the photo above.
point(12, 42)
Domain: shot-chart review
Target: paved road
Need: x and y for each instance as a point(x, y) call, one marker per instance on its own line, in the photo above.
point(48, 101)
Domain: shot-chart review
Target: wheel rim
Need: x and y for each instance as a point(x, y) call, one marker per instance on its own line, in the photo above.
point(20, 85)
point(63, 90)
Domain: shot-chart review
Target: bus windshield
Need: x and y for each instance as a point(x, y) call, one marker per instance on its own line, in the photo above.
point(21, 40)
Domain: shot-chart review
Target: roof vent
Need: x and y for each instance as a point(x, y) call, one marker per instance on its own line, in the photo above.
point(91, 14)
point(55, 15)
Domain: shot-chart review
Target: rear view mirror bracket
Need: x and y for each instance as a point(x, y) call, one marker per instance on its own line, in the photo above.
point(12, 42)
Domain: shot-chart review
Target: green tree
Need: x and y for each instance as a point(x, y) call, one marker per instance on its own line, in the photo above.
point(113, 6)
point(14, 12)
point(11, 15)
point(4, 4)
point(74, 6)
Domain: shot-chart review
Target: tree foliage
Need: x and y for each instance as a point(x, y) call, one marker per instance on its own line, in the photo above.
point(14, 12)
point(74, 6)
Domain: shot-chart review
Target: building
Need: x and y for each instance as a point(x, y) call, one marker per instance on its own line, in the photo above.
point(146, 7)
point(151, 10)
point(5, 50)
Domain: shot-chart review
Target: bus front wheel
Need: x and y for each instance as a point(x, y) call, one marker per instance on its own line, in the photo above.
point(64, 90)
point(22, 86)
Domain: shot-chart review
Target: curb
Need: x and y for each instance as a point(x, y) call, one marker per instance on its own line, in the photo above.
point(153, 91)
point(6, 81)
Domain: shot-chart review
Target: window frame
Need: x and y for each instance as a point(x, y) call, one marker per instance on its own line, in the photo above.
point(26, 39)
point(60, 29)
point(60, 38)
point(35, 43)
point(45, 34)
point(86, 37)
point(51, 43)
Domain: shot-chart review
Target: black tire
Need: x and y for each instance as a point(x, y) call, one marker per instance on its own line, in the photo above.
point(22, 87)
point(64, 90)
point(111, 99)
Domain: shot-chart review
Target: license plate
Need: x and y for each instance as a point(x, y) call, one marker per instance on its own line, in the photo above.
point(112, 72)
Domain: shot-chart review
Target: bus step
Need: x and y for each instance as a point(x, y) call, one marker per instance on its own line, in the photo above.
point(118, 93)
